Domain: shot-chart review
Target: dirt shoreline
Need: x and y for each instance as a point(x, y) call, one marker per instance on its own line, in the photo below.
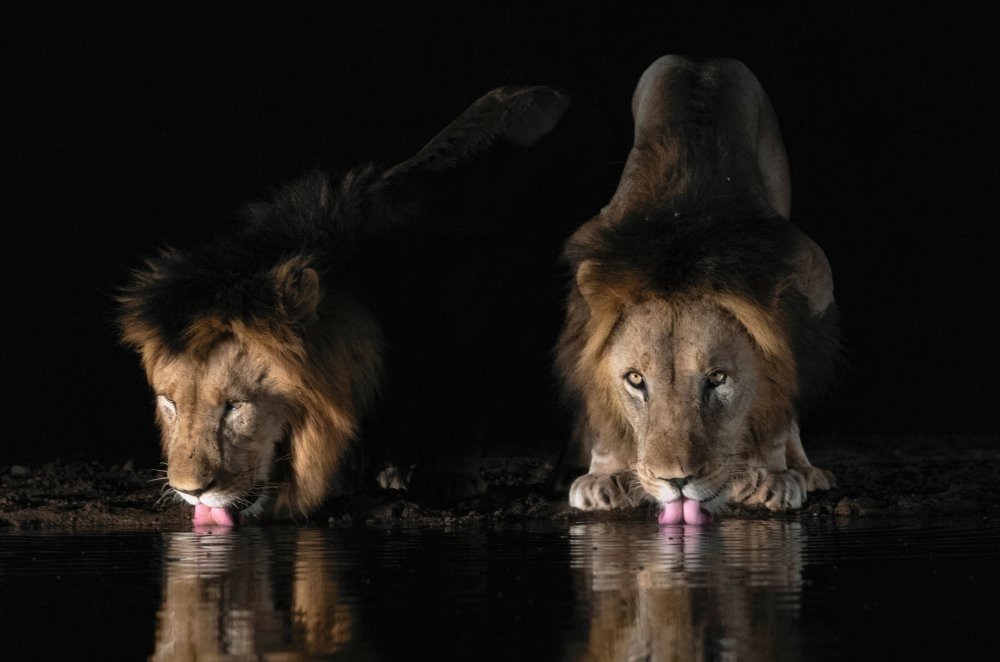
point(878, 475)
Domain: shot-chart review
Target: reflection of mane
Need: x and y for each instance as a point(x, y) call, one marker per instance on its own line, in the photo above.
point(224, 596)
point(697, 594)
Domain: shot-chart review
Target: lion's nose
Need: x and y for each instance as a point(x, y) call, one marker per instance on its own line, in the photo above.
point(196, 492)
point(679, 483)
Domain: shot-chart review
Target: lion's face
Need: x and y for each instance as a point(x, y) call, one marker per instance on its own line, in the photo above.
point(222, 417)
point(684, 376)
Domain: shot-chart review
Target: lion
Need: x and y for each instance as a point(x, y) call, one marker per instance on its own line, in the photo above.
point(700, 322)
point(369, 320)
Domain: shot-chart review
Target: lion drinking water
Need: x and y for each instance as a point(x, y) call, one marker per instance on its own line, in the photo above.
point(385, 299)
point(700, 322)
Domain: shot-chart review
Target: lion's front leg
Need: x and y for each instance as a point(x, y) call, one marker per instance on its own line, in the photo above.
point(795, 454)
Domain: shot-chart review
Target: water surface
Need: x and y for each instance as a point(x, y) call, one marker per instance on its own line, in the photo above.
point(736, 590)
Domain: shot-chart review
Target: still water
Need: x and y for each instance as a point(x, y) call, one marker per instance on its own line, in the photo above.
point(736, 590)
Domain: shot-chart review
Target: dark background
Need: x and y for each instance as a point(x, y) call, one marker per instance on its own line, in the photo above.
point(124, 128)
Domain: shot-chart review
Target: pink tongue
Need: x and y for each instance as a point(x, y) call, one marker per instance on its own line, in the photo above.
point(684, 510)
point(694, 513)
point(673, 512)
point(206, 515)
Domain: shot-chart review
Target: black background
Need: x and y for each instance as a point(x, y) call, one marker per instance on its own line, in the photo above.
point(127, 127)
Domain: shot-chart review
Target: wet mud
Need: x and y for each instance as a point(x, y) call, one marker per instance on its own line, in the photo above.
point(904, 475)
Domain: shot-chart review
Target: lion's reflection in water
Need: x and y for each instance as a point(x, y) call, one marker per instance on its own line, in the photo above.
point(602, 590)
point(725, 592)
point(232, 595)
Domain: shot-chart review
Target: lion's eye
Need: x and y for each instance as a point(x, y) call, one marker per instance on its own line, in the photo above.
point(717, 378)
point(635, 380)
point(232, 405)
point(166, 403)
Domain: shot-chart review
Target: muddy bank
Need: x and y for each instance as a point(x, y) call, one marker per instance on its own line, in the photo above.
point(914, 475)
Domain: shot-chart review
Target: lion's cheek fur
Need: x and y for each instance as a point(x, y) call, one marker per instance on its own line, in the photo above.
point(329, 378)
point(317, 444)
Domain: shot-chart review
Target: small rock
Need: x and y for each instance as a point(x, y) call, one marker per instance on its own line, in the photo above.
point(517, 508)
point(856, 506)
point(18, 470)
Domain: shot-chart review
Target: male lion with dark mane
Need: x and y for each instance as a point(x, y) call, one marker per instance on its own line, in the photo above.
point(701, 322)
point(269, 347)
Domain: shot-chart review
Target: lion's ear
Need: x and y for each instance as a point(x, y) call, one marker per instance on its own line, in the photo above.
point(607, 294)
point(811, 275)
point(518, 117)
point(301, 294)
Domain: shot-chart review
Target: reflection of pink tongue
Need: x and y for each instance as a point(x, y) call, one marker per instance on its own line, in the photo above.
point(684, 510)
point(206, 515)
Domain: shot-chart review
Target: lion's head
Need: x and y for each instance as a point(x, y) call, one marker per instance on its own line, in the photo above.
point(689, 383)
point(260, 381)
point(695, 386)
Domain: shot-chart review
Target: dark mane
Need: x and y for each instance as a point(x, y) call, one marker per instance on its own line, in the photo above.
point(679, 247)
point(321, 221)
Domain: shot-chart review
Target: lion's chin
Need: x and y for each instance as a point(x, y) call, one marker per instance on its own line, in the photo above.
point(684, 511)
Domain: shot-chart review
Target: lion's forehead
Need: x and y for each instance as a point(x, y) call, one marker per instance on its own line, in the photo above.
point(226, 371)
point(690, 337)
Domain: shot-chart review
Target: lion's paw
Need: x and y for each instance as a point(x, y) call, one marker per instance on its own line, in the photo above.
point(604, 491)
point(816, 478)
point(774, 490)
